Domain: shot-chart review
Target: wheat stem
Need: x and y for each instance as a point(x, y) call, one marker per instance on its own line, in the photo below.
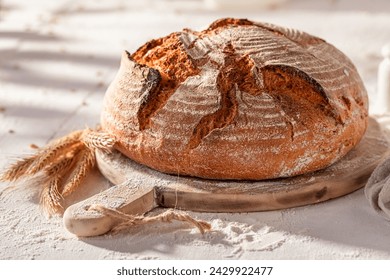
point(51, 199)
point(83, 166)
point(98, 140)
point(65, 163)
point(18, 169)
point(48, 154)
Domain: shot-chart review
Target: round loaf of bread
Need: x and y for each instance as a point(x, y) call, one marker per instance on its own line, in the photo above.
point(240, 100)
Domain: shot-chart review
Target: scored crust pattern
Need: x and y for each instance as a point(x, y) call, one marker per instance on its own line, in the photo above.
point(239, 100)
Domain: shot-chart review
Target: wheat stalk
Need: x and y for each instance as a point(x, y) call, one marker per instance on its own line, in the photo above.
point(43, 158)
point(18, 169)
point(65, 162)
point(98, 140)
point(51, 199)
point(83, 166)
point(49, 154)
point(62, 165)
point(51, 196)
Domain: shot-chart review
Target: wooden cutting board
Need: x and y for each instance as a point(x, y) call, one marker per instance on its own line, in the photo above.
point(138, 189)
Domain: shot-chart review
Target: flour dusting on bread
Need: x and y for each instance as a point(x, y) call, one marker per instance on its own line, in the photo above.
point(239, 100)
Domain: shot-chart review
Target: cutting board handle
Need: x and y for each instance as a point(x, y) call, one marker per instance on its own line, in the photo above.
point(80, 220)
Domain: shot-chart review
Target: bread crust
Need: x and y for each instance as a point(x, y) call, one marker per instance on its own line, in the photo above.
point(240, 100)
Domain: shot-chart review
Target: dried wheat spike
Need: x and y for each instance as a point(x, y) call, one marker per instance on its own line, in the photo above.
point(18, 169)
point(64, 163)
point(85, 163)
point(51, 199)
point(98, 140)
point(43, 158)
point(50, 153)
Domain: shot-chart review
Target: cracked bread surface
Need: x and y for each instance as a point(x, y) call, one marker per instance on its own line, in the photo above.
point(240, 100)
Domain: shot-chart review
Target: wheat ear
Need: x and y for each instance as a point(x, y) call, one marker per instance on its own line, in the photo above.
point(64, 162)
point(51, 199)
point(82, 168)
point(98, 140)
point(50, 153)
point(43, 158)
point(18, 169)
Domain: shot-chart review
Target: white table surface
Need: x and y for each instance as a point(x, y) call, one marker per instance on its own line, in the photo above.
point(58, 57)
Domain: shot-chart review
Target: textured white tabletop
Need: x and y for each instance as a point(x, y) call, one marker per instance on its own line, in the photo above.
point(58, 57)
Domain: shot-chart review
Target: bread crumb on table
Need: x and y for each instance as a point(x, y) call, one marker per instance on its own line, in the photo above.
point(33, 146)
